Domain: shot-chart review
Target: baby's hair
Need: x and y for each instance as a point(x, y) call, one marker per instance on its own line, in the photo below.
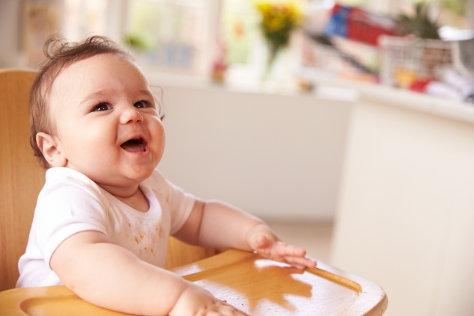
point(60, 54)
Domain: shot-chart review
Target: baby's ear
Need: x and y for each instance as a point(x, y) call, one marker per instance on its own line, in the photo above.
point(51, 150)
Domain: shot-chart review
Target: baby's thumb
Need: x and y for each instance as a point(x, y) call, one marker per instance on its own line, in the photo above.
point(260, 241)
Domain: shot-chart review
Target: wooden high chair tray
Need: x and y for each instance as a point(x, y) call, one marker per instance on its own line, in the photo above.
point(247, 281)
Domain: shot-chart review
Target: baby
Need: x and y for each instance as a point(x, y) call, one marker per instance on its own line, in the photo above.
point(104, 215)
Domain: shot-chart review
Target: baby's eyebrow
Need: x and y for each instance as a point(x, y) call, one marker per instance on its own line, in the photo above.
point(95, 95)
point(102, 93)
point(147, 92)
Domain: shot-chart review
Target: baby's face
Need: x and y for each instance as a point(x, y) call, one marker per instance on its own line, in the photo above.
point(108, 123)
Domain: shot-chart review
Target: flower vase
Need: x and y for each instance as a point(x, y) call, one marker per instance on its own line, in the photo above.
point(274, 71)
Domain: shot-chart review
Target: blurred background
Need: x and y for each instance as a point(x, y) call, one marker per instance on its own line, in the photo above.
point(348, 125)
point(357, 39)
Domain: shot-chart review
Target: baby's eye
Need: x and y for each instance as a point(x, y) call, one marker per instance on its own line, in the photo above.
point(142, 104)
point(101, 107)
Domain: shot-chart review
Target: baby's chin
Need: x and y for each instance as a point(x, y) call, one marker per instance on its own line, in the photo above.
point(134, 177)
point(122, 190)
point(123, 180)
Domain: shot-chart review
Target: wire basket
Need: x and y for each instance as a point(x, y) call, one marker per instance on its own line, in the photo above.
point(405, 60)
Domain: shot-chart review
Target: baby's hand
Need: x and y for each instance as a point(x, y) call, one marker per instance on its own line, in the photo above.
point(197, 301)
point(269, 246)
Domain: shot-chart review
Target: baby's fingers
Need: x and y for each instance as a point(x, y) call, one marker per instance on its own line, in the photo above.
point(284, 250)
point(224, 313)
point(301, 262)
point(224, 309)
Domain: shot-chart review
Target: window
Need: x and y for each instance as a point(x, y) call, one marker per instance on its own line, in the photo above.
point(239, 27)
point(82, 18)
point(169, 35)
point(181, 35)
point(165, 35)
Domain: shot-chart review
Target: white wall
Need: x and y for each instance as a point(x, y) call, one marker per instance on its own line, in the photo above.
point(276, 156)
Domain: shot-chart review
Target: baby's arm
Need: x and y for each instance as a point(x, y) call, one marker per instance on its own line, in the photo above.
point(112, 277)
point(218, 225)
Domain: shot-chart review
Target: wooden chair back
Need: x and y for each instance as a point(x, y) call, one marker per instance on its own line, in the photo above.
point(21, 179)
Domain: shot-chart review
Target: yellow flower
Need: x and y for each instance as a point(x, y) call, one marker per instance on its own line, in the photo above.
point(279, 20)
point(276, 15)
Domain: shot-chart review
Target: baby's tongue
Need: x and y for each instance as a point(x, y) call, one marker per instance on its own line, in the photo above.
point(135, 145)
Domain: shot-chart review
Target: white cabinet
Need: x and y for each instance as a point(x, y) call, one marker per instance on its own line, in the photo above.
point(405, 218)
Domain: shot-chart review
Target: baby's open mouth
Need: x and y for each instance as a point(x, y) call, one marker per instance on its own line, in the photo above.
point(135, 145)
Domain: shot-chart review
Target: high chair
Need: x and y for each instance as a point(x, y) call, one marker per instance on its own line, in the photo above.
point(245, 280)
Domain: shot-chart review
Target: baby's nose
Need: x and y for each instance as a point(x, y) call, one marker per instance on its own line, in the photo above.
point(131, 115)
